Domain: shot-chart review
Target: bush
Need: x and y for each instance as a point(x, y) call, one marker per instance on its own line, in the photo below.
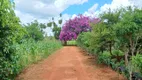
point(83, 41)
point(117, 53)
point(72, 42)
point(5, 69)
point(137, 62)
point(104, 57)
point(28, 52)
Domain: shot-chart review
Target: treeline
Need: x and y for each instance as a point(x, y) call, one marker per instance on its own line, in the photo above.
point(21, 45)
point(117, 41)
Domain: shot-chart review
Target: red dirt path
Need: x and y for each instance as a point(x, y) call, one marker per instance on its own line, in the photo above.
point(69, 63)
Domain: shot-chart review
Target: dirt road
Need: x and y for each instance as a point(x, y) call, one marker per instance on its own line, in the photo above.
point(69, 63)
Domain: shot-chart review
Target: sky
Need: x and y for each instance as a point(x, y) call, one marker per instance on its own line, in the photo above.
point(76, 9)
point(43, 10)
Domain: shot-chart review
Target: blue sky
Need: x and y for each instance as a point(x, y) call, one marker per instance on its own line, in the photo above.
point(29, 10)
point(80, 9)
point(44, 10)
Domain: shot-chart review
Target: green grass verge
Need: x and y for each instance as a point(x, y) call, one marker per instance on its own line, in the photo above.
point(73, 42)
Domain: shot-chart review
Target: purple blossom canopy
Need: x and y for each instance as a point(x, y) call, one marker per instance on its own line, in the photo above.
point(73, 27)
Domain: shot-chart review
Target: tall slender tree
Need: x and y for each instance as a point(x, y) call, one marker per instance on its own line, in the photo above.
point(56, 27)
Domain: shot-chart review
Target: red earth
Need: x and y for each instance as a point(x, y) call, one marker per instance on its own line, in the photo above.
point(69, 63)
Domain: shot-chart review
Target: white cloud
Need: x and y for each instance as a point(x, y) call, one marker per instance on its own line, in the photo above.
point(45, 8)
point(48, 31)
point(24, 17)
point(29, 10)
point(63, 4)
point(93, 8)
point(115, 4)
point(137, 3)
point(27, 18)
point(66, 17)
point(73, 16)
point(92, 11)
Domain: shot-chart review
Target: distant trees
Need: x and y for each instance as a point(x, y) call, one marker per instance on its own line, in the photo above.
point(56, 27)
point(35, 30)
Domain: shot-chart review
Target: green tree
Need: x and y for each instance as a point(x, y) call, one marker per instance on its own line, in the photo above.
point(10, 32)
point(129, 29)
point(109, 19)
point(55, 28)
point(120, 33)
point(10, 28)
point(35, 30)
point(129, 33)
point(100, 37)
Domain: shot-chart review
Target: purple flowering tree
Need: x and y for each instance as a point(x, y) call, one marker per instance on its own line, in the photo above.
point(73, 27)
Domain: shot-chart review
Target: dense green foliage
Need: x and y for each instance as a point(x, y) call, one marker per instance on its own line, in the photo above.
point(9, 33)
point(30, 51)
point(35, 30)
point(9, 28)
point(137, 62)
point(20, 45)
point(117, 41)
point(71, 43)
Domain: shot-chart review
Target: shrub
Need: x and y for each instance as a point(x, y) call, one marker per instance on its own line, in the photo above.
point(28, 52)
point(117, 53)
point(83, 41)
point(104, 57)
point(137, 62)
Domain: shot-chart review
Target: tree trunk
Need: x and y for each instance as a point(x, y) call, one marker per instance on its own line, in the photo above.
point(126, 64)
point(110, 47)
point(126, 58)
point(139, 49)
point(102, 49)
point(130, 73)
point(65, 43)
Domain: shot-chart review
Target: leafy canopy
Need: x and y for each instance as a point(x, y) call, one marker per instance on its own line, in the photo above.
point(73, 27)
point(35, 30)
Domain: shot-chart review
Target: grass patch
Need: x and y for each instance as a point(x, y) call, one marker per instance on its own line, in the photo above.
point(26, 53)
point(71, 43)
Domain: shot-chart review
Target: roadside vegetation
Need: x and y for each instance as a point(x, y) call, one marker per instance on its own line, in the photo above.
point(71, 43)
point(117, 41)
point(21, 45)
